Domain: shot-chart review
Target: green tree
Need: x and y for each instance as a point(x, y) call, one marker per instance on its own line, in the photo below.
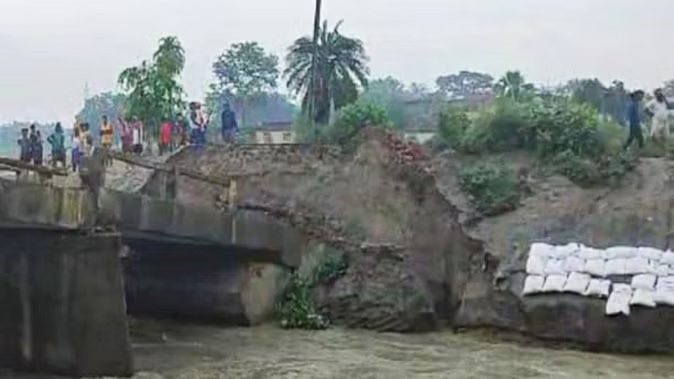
point(465, 84)
point(513, 85)
point(390, 94)
point(153, 91)
point(340, 66)
point(245, 71)
point(609, 101)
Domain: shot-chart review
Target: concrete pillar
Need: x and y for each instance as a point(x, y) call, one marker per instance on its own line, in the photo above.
point(162, 177)
point(63, 307)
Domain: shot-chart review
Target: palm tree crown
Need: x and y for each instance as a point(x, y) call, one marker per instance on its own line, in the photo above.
point(341, 66)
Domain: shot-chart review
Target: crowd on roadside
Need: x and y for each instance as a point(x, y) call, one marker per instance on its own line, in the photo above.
point(173, 133)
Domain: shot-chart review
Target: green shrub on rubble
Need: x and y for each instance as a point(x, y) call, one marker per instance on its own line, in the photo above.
point(295, 308)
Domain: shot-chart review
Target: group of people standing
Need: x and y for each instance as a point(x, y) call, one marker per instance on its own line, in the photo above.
point(659, 109)
point(198, 123)
point(172, 134)
point(30, 145)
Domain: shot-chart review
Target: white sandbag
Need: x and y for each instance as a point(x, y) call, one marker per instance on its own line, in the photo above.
point(598, 288)
point(616, 266)
point(564, 251)
point(644, 298)
point(644, 282)
point(638, 265)
point(590, 253)
point(574, 264)
point(536, 265)
point(595, 267)
point(619, 302)
point(668, 258)
point(554, 283)
point(533, 285)
point(664, 296)
point(620, 252)
point(671, 271)
point(622, 288)
point(554, 267)
point(577, 283)
point(650, 253)
point(660, 270)
point(665, 282)
point(539, 249)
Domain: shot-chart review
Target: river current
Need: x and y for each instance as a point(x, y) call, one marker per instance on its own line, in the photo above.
point(191, 352)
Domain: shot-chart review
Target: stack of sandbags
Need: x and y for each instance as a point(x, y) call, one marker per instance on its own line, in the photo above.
point(647, 274)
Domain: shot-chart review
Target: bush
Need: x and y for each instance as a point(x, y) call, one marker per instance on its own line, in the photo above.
point(493, 189)
point(353, 118)
point(556, 126)
point(587, 172)
point(498, 128)
point(452, 125)
point(579, 144)
point(295, 308)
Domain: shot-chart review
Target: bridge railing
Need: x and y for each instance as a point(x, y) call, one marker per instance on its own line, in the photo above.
point(21, 168)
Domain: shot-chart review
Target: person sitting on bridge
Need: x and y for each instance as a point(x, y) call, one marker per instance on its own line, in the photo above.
point(58, 150)
point(229, 125)
point(24, 146)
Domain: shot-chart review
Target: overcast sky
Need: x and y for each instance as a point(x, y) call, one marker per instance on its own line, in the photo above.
point(49, 49)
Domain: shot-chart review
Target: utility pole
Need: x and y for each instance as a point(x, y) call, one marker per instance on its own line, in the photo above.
point(312, 82)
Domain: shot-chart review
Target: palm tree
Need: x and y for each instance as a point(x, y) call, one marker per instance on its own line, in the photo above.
point(513, 85)
point(317, 31)
point(340, 66)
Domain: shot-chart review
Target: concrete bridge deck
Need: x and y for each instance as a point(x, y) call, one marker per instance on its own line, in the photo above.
point(35, 206)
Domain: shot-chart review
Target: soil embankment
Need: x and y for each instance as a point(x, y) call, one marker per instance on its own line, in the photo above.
point(419, 257)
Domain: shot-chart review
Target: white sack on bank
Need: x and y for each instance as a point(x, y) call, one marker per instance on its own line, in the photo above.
point(533, 285)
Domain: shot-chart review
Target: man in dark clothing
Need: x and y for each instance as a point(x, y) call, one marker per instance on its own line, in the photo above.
point(58, 149)
point(35, 145)
point(24, 146)
point(229, 124)
point(36, 148)
point(634, 119)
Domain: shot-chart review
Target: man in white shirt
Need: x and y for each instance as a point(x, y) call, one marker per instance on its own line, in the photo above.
point(660, 110)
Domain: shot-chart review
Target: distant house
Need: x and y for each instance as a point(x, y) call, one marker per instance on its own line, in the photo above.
point(274, 132)
point(422, 113)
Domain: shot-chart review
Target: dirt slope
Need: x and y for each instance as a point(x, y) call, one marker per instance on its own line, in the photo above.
point(380, 206)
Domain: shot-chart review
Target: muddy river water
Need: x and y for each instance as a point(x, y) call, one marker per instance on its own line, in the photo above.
point(178, 351)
